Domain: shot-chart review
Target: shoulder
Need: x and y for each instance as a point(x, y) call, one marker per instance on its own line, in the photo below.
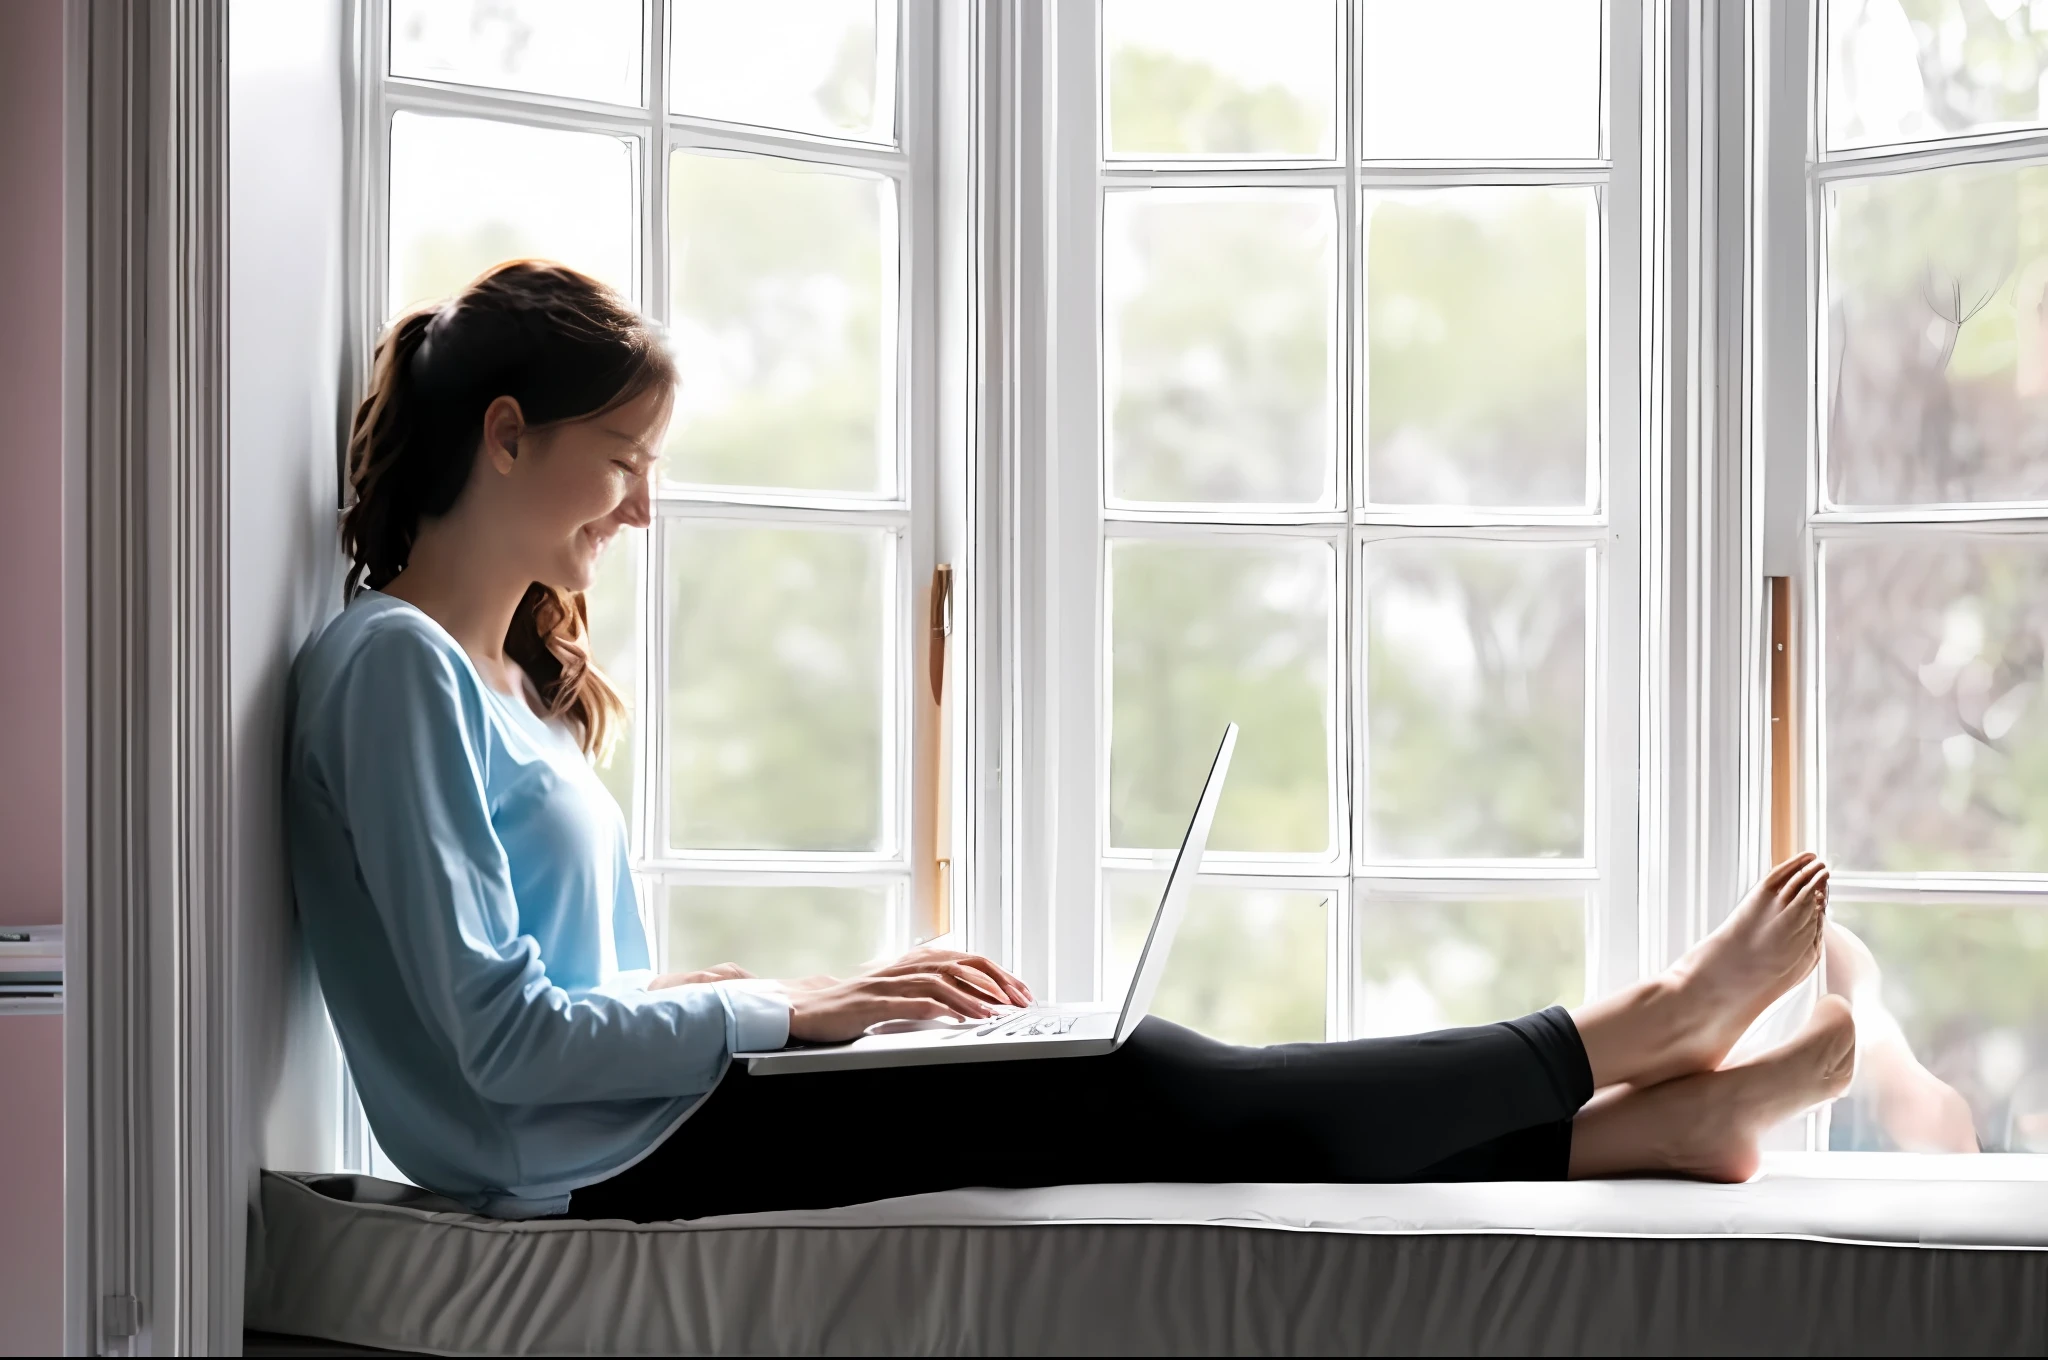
point(380, 652)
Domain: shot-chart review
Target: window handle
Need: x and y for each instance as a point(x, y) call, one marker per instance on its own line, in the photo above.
point(937, 913)
point(1787, 833)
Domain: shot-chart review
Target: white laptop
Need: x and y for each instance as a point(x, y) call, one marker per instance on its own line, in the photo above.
point(1035, 1031)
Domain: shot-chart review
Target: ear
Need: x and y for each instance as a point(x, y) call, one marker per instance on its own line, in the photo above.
point(504, 423)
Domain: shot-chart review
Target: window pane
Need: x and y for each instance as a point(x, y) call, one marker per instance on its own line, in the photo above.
point(784, 278)
point(1910, 70)
point(467, 194)
point(615, 641)
point(1426, 965)
point(1205, 634)
point(1936, 727)
point(1475, 699)
point(1221, 309)
point(1961, 997)
point(581, 49)
point(777, 932)
point(1486, 80)
point(1480, 330)
point(819, 66)
point(1938, 337)
point(1248, 967)
point(776, 688)
point(1220, 78)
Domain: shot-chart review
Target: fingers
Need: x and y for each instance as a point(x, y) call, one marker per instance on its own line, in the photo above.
point(1012, 987)
point(960, 968)
point(1008, 987)
point(948, 989)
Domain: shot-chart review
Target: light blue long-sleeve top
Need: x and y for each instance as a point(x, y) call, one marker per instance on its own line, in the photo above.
point(464, 885)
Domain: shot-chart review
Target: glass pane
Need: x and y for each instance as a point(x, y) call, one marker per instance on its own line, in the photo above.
point(615, 643)
point(580, 49)
point(1221, 78)
point(784, 279)
point(1475, 700)
point(1206, 634)
point(1480, 345)
point(1951, 1026)
point(1911, 70)
point(1426, 965)
point(1937, 331)
point(1219, 360)
point(1936, 726)
point(777, 932)
point(1248, 967)
point(820, 66)
point(464, 197)
point(1486, 80)
point(776, 690)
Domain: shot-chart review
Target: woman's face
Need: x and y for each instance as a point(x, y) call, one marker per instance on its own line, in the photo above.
point(574, 486)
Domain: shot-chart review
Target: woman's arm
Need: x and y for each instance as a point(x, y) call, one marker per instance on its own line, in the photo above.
point(412, 790)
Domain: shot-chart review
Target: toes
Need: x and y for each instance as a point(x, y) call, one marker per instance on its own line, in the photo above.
point(1780, 873)
point(1810, 876)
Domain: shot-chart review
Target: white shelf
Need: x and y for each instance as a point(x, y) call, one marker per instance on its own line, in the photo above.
point(31, 1005)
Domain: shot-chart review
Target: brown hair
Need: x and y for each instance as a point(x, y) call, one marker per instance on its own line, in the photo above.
point(562, 345)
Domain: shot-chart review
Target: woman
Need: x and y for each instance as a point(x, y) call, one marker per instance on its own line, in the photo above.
point(463, 880)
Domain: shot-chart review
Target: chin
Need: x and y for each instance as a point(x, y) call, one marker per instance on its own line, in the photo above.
point(573, 573)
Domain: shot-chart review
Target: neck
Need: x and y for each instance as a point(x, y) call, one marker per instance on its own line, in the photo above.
point(453, 578)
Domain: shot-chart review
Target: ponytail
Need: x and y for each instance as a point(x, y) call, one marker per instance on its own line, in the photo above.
point(564, 347)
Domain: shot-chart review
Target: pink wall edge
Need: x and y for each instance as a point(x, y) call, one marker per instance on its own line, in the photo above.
point(31, 675)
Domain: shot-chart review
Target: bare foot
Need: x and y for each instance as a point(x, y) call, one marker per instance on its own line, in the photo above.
point(1707, 1125)
point(1768, 944)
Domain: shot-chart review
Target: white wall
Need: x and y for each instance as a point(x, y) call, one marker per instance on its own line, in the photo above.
point(285, 328)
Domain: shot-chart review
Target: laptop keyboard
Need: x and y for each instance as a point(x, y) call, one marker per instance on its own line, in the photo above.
point(1024, 1024)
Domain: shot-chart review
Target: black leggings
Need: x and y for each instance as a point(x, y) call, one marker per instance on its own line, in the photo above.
point(1494, 1102)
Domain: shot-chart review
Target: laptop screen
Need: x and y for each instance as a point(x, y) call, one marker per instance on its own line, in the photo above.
point(1173, 903)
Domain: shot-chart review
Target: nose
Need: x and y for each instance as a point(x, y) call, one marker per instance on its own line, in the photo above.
point(637, 510)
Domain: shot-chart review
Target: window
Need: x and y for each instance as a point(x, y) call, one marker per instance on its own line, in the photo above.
point(1356, 454)
point(760, 179)
point(1316, 364)
point(1924, 550)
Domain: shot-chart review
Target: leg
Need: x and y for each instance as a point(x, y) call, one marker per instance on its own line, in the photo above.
point(1918, 1110)
point(1169, 1105)
point(1689, 1018)
point(1706, 1125)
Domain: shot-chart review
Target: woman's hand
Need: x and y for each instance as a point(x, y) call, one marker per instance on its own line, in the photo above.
point(724, 972)
point(981, 975)
point(844, 1009)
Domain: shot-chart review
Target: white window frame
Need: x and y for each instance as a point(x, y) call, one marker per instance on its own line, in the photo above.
point(1792, 173)
point(925, 517)
point(1063, 595)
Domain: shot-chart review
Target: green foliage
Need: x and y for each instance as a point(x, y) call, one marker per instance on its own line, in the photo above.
point(1475, 962)
point(1202, 635)
point(1247, 967)
point(1221, 310)
point(441, 264)
point(779, 932)
point(1477, 311)
point(780, 284)
point(1160, 104)
point(1475, 700)
point(775, 698)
